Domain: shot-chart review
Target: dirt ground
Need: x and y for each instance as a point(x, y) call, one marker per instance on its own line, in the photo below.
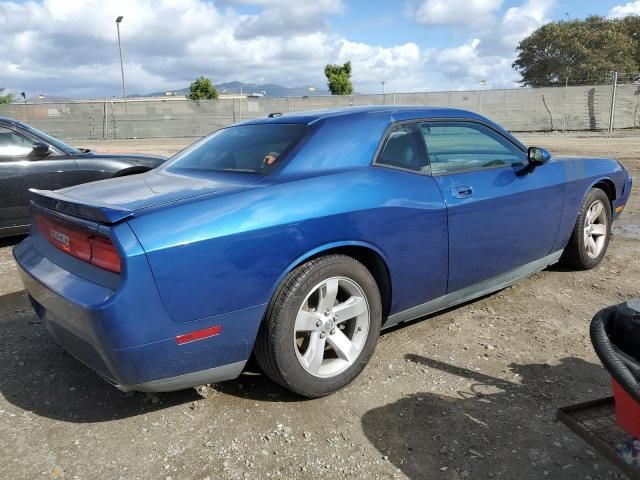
point(468, 393)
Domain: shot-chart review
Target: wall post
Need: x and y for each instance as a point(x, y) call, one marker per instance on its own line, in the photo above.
point(564, 111)
point(612, 111)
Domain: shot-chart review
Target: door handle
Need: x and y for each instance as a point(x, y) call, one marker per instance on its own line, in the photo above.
point(462, 191)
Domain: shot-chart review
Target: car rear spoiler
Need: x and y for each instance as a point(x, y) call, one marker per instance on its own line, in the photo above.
point(87, 211)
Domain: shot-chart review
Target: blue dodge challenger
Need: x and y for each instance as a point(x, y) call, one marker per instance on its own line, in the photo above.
point(297, 238)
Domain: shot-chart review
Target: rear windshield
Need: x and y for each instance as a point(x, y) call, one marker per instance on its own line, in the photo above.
point(241, 149)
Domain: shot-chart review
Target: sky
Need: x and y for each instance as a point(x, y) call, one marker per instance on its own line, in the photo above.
point(69, 47)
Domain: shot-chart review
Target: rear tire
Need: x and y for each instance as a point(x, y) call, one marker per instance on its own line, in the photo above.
point(590, 237)
point(321, 326)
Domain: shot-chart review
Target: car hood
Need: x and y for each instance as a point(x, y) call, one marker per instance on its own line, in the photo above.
point(136, 156)
point(154, 188)
point(564, 158)
point(151, 161)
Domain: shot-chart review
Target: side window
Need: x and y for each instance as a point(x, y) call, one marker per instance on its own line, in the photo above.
point(404, 148)
point(461, 146)
point(13, 144)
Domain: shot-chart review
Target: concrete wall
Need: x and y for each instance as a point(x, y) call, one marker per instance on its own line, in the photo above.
point(523, 109)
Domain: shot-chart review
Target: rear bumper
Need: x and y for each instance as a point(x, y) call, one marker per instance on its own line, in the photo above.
point(180, 382)
point(124, 334)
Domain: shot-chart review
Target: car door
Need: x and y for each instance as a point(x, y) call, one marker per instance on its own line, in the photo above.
point(21, 170)
point(420, 263)
point(502, 213)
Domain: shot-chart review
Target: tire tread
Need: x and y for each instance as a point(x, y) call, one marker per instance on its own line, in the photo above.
point(267, 343)
point(574, 255)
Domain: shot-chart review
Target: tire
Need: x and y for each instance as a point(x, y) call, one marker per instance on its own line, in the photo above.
point(302, 348)
point(586, 248)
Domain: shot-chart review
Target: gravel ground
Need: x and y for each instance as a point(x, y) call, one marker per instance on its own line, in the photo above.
point(468, 393)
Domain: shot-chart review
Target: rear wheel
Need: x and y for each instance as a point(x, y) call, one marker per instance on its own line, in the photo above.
point(321, 327)
point(590, 237)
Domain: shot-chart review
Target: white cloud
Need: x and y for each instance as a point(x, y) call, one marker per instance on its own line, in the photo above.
point(283, 18)
point(620, 11)
point(469, 67)
point(402, 65)
point(520, 22)
point(456, 12)
point(516, 24)
point(69, 48)
point(489, 55)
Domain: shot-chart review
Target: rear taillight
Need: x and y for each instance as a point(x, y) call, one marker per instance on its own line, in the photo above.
point(104, 254)
point(80, 243)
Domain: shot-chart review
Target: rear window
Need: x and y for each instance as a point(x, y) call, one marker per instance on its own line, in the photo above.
point(242, 149)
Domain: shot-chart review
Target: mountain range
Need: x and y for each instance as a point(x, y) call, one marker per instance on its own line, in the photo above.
point(228, 88)
point(266, 89)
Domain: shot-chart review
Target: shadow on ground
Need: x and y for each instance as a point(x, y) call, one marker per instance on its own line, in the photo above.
point(258, 387)
point(37, 375)
point(492, 427)
point(11, 241)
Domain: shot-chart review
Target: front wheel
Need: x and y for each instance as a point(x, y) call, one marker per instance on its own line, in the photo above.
point(590, 237)
point(321, 327)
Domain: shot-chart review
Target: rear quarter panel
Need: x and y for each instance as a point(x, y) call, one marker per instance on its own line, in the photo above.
point(581, 175)
point(229, 253)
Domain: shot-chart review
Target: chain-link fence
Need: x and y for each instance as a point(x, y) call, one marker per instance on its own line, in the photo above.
point(611, 105)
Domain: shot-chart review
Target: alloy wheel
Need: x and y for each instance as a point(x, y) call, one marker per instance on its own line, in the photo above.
point(331, 327)
point(595, 229)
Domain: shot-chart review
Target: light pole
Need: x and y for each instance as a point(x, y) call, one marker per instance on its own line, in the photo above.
point(124, 91)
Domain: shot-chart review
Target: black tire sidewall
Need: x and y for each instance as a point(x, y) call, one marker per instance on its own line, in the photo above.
point(594, 195)
point(294, 376)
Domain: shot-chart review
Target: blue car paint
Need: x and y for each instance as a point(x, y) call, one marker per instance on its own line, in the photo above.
point(508, 212)
point(250, 239)
point(211, 249)
point(581, 176)
point(131, 193)
point(125, 334)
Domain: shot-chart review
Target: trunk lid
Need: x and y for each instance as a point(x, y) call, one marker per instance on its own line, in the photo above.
point(120, 198)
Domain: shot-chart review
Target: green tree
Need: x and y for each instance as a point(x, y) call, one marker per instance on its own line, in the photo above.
point(585, 51)
point(631, 26)
point(202, 89)
point(7, 97)
point(339, 78)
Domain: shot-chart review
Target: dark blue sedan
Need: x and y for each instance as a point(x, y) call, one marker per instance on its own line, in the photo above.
point(297, 238)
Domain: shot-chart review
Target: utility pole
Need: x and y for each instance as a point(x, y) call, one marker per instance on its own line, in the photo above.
point(124, 91)
point(379, 64)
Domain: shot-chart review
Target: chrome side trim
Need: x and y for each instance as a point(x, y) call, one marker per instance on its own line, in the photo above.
point(473, 291)
point(193, 379)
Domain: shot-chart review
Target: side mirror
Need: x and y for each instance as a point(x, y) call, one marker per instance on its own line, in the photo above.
point(538, 156)
point(40, 149)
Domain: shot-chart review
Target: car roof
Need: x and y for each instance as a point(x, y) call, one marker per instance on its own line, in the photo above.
point(383, 111)
point(380, 115)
